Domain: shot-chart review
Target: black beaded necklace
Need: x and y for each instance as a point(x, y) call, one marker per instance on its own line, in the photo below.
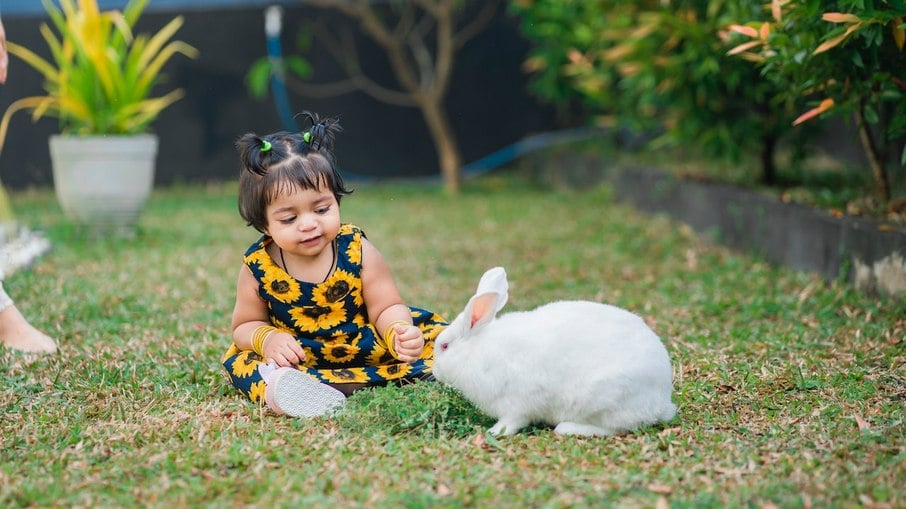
point(333, 260)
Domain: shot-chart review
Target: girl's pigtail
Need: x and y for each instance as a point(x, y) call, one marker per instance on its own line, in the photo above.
point(323, 132)
point(254, 153)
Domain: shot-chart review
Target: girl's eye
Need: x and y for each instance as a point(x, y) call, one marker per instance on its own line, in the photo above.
point(322, 210)
point(288, 220)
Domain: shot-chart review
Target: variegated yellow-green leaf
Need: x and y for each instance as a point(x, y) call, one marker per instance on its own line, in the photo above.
point(100, 75)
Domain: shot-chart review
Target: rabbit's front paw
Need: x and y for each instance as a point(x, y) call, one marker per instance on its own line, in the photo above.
point(507, 427)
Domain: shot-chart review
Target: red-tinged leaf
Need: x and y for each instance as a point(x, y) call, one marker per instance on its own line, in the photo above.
point(744, 30)
point(839, 17)
point(814, 112)
point(826, 45)
point(776, 13)
point(764, 32)
point(575, 55)
point(744, 47)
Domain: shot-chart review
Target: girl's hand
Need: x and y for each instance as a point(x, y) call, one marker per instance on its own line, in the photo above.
point(409, 342)
point(282, 348)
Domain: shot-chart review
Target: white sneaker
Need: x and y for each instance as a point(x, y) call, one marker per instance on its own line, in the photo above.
point(296, 394)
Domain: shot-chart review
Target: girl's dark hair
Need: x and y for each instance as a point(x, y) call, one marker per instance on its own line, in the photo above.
point(277, 162)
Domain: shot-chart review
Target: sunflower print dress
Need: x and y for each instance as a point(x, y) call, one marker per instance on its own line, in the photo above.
point(330, 321)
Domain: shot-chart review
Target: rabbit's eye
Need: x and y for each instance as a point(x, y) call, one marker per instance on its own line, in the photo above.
point(443, 346)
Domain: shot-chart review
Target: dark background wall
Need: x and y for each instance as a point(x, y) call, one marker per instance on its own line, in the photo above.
point(488, 101)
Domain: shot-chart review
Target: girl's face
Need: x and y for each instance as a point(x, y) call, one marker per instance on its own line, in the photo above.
point(303, 222)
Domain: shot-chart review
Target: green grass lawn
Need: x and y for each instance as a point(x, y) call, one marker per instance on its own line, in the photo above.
point(791, 391)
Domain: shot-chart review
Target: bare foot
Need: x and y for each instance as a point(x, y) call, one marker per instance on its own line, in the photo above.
point(17, 333)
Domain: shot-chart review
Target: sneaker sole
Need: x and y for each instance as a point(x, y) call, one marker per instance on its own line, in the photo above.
point(296, 394)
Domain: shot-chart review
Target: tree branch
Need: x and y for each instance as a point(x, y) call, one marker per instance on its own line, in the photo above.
point(488, 9)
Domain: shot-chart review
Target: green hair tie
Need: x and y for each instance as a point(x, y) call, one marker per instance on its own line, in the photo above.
point(307, 136)
point(265, 146)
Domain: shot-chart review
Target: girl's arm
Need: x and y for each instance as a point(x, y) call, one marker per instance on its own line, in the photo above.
point(250, 313)
point(385, 306)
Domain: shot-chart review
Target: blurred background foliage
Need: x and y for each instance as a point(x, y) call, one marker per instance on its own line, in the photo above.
point(675, 69)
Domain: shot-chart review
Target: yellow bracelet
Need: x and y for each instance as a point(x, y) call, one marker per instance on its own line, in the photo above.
point(261, 334)
point(390, 336)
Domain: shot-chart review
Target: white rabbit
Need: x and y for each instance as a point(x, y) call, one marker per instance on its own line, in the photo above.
point(586, 368)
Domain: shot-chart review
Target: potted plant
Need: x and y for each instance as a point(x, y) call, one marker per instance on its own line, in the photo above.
point(98, 83)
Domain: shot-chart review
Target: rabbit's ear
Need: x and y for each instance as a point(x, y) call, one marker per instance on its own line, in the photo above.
point(489, 298)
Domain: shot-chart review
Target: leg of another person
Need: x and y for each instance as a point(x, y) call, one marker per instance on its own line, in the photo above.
point(17, 333)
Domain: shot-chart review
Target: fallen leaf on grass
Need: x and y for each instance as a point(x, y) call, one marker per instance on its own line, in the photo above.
point(668, 431)
point(660, 489)
point(868, 502)
point(806, 501)
point(862, 423)
point(486, 441)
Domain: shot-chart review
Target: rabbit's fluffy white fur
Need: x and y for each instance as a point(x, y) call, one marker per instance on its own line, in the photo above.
point(586, 368)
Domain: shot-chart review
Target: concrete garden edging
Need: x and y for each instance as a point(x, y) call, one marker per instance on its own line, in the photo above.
point(869, 254)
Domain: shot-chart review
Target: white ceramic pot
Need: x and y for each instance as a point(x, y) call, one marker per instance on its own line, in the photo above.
point(103, 182)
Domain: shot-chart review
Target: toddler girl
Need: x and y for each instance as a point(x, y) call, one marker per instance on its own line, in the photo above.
point(317, 312)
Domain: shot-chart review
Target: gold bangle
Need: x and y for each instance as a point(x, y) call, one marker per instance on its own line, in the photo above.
point(390, 336)
point(391, 329)
point(261, 334)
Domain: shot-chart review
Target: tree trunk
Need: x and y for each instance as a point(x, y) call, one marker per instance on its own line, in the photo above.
point(768, 164)
point(876, 159)
point(445, 142)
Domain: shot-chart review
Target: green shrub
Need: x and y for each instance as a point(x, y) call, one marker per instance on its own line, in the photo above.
point(844, 57)
point(658, 66)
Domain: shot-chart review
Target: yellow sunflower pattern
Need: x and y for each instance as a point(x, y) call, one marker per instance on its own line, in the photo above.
point(280, 285)
point(330, 322)
point(313, 319)
point(256, 393)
